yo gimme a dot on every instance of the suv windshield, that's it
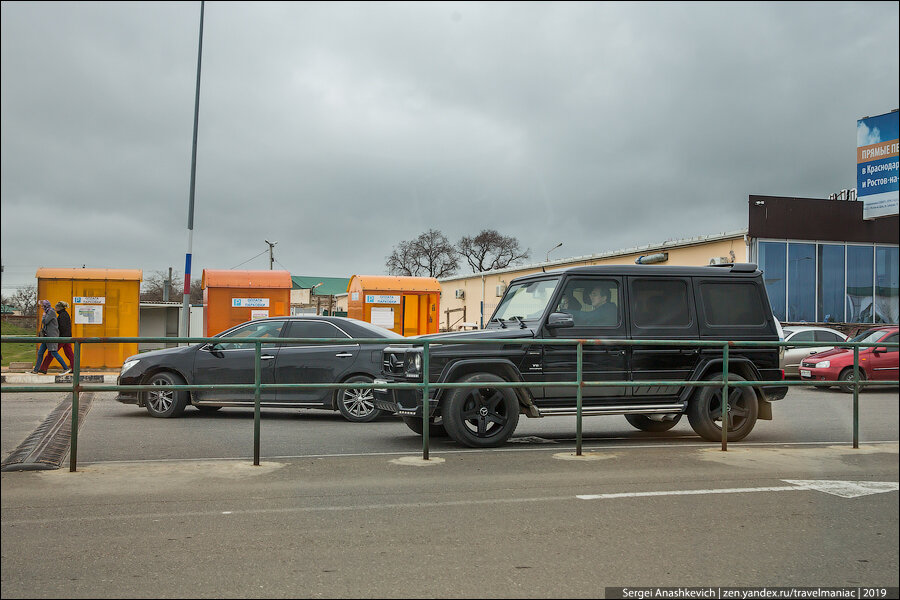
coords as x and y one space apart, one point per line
526 300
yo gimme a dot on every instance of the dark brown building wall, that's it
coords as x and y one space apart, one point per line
781 218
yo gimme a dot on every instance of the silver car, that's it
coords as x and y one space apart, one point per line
790 362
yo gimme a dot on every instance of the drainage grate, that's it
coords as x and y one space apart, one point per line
48 445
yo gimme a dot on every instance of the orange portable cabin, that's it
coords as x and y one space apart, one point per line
102 303
233 297
405 305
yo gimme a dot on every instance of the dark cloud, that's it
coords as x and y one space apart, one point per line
340 129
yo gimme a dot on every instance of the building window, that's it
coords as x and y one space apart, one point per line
831 283
859 284
801 282
772 262
887 286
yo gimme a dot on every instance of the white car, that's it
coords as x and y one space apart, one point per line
790 361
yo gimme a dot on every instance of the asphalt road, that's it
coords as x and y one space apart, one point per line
175 508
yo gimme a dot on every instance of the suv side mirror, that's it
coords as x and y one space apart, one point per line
560 321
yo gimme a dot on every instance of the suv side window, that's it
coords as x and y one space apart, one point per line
592 302
662 305
731 304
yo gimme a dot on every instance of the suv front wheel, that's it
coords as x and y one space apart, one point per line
705 411
483 416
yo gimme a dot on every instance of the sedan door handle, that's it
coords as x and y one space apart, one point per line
266 357
343 354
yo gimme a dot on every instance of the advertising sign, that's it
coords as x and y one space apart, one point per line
876 164
89 300
383 316
88 314
249 302
382 299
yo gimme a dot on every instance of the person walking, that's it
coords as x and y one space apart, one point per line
65 330
49 328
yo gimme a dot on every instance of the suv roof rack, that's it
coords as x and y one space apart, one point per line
738 267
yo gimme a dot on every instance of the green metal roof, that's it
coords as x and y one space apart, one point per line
330 285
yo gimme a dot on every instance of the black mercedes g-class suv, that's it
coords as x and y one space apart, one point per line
640 302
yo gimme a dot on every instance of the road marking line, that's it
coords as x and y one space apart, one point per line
844 489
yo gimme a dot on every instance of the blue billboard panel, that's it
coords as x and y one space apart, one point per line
877 152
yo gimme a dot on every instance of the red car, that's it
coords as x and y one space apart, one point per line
875 363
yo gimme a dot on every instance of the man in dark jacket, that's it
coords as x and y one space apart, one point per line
65 330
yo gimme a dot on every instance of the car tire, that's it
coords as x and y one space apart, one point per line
705 410
645 423
483 416
847 380
357 405
165 404
435 428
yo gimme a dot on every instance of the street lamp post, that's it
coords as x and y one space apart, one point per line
552 249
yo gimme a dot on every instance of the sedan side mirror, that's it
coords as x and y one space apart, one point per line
560 321
879 350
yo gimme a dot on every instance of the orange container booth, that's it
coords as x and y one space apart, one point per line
233 297
405 305
102 303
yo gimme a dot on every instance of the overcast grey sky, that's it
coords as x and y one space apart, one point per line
341 129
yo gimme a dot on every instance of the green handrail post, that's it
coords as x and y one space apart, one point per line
725 397
579 363
426 404
257 378
76 372
856 396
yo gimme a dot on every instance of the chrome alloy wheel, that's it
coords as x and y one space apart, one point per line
162 400
358 402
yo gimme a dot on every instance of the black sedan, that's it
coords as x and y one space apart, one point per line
227 362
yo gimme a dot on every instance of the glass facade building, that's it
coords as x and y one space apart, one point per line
831 282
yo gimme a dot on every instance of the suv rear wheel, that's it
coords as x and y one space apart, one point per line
483 416
645 423
705 410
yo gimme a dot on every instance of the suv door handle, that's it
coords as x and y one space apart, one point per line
343 354
270 357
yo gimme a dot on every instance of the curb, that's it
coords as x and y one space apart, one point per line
46 379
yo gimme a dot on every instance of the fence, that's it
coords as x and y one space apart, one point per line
426 386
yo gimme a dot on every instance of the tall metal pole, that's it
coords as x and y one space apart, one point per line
186 304
271 256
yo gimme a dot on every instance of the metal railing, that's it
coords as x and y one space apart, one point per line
77 387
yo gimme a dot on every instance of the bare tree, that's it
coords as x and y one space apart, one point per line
153 288
429 255
25 299
490 250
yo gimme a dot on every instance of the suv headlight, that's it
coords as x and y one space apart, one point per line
823 365
128 364
414 364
